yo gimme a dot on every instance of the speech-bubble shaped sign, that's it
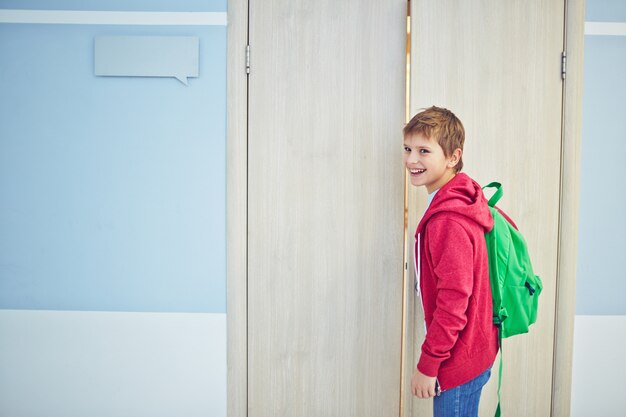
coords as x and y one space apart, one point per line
147 56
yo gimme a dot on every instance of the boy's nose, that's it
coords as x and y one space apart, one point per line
413 158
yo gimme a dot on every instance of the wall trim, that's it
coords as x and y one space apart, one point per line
605 28
80 17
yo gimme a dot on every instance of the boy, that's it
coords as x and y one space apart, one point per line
451 267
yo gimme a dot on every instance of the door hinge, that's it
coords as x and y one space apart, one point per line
563 64
247 59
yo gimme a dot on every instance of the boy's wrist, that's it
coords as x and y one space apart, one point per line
427 367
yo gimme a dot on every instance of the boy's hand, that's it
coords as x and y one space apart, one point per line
423 386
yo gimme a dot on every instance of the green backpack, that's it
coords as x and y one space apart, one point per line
515 288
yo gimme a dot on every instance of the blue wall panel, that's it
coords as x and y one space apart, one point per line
601 280
605 11
112 188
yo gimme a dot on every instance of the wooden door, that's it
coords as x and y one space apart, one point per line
325 207
497 65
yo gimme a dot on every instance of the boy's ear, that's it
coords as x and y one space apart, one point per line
455 157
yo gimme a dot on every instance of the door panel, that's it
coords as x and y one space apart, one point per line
326 106
501 76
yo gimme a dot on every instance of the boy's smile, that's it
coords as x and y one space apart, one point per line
426 162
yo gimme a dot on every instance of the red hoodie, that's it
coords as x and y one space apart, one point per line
461 340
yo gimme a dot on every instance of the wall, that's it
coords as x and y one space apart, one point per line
112 215
599 370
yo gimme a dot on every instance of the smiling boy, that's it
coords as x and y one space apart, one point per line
452 269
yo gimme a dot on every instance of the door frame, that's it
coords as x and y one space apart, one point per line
571 140
237 210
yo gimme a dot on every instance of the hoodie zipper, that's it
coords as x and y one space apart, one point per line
418 290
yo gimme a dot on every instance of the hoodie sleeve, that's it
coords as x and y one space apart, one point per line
450 250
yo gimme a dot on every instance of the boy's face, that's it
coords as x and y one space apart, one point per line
426 162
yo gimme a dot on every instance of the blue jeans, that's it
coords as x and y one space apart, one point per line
461 401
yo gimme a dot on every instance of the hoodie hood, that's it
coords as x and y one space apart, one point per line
463 196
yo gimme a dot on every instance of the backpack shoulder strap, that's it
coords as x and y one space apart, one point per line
497 195
495 288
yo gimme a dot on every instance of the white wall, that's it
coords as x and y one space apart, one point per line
104 364
599 366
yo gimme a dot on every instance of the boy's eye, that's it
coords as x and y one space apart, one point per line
424 151
407 149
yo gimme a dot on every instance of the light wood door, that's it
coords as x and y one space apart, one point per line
325 207
497 65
